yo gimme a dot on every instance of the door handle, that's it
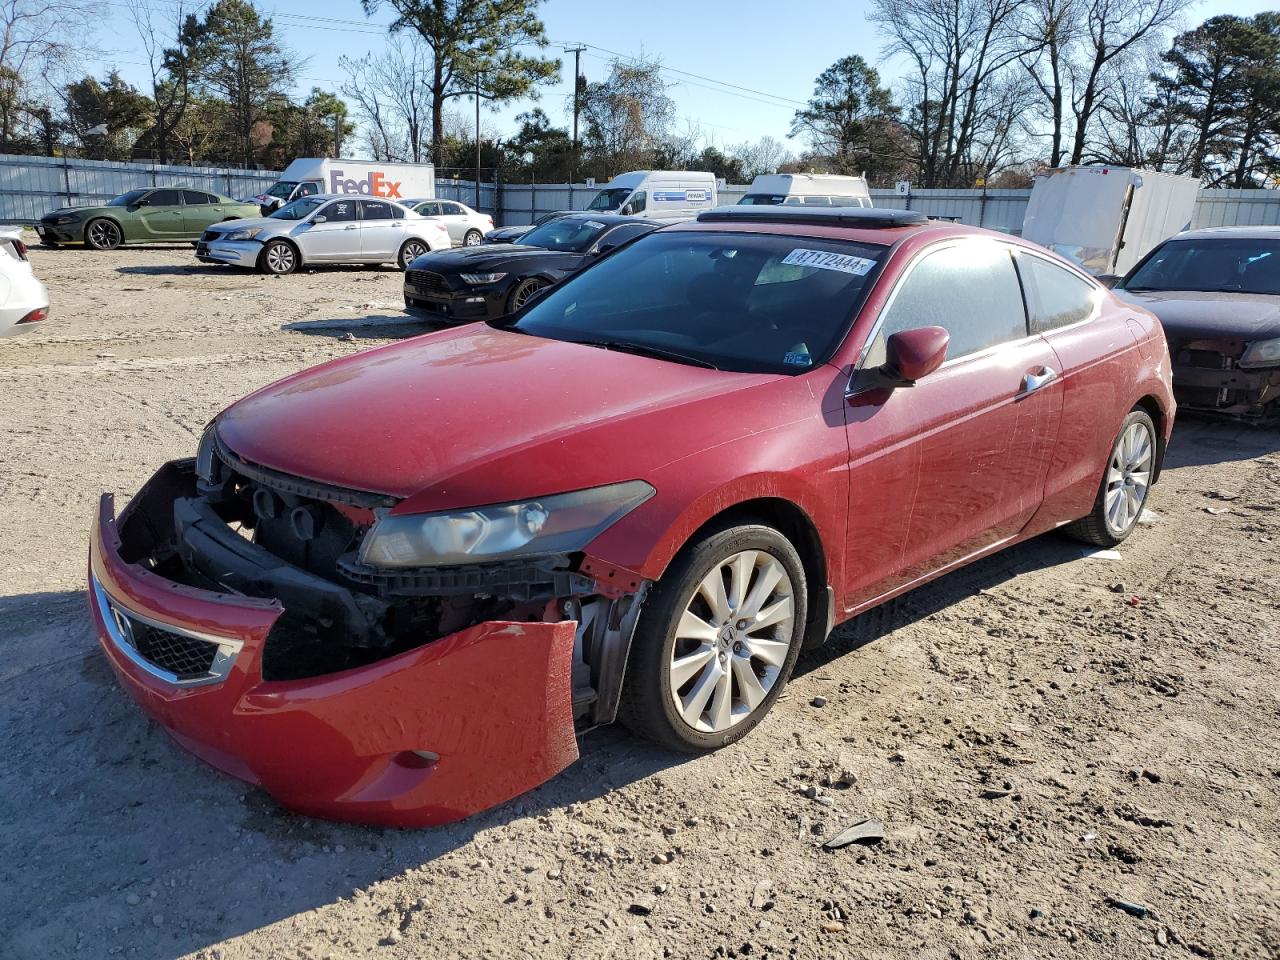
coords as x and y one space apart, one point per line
1032 382
351 226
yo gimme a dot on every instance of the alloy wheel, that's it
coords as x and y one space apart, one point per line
281 258
524 292
1129 477
472 239
104 235
411 252
732 641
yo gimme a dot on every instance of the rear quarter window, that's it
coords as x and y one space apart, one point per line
1056 297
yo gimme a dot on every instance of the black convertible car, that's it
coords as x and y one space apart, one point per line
486 282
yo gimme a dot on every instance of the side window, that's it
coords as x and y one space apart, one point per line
308 189
970 288
339 211
194 198
817 201
376 210
431 209
451 210
164 198
636 203
1057 296
620 235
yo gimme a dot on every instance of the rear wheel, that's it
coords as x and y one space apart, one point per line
410 252
524 292
717 640
1126 483
278 257
473 239
103 234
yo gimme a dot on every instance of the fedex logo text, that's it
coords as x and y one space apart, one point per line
376 186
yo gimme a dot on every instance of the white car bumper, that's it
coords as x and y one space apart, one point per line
26 294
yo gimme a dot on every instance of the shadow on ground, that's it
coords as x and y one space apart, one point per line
374 326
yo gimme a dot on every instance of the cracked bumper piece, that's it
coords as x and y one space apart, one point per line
425 737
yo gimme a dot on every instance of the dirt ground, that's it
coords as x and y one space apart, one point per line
1043 735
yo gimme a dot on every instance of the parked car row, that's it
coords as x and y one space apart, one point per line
715 441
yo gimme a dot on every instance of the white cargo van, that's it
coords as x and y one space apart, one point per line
1107 218
808 189
657 194
372 178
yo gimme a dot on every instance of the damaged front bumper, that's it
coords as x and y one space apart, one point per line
424 736
1207 378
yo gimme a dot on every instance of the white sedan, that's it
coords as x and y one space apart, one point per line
24 301
324 228
466 227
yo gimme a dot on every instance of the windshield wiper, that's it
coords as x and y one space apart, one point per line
645 350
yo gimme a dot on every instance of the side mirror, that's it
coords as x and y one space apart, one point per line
1108 280
320 218
606 247
144 202
911 355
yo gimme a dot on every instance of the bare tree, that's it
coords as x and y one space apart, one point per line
391 96
956 51
766 155
1050 29
1112 29
628 116
170 69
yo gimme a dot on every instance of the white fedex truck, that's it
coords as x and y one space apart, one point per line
657 194
1107 218
372 178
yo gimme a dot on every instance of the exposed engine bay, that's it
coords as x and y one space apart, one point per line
220 523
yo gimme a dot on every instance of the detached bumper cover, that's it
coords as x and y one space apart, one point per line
426 737
238 253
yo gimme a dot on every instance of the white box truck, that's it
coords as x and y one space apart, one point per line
1107 218
372 178
808 189
657 194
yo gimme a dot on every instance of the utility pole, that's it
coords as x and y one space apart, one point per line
577 56
477 204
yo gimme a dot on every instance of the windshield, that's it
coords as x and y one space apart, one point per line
762 199
299 209
1211 265
282 189
609 199
736 301
127 199
572 235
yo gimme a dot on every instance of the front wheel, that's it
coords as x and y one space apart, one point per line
103 234
473 239
410 252
524 292
717 640
1126 483
278 257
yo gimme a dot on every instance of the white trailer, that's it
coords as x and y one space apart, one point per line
1107 218
372 178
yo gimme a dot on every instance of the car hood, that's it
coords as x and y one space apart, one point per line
265 223
475 415
62 211
481 258
1194 315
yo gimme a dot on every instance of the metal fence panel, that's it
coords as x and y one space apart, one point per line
1226 207
32 186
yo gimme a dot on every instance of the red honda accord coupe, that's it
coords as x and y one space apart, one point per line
395 587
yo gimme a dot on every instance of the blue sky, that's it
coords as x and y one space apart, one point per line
741 43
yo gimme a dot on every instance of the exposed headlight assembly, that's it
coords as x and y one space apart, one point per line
480 279
507 531
205 453
248 233
1262 353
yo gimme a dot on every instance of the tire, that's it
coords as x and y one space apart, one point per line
278 258
411 250
665 634
103 234
1125 486
524 290
473 238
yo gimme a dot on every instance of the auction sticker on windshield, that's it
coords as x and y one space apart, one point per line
825 260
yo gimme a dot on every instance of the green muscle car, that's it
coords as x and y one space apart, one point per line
160 215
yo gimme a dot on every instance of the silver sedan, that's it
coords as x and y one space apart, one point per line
324 229
466 227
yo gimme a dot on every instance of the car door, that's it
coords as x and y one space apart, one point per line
199 209
956 463
381 230
1093 341
332 233
455 220
160 217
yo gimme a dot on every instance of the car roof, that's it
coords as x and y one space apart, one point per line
1230 233
876 225
607 219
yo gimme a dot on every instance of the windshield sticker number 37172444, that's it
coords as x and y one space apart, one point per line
826 260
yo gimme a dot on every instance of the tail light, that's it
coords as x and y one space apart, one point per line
21 247
35 316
